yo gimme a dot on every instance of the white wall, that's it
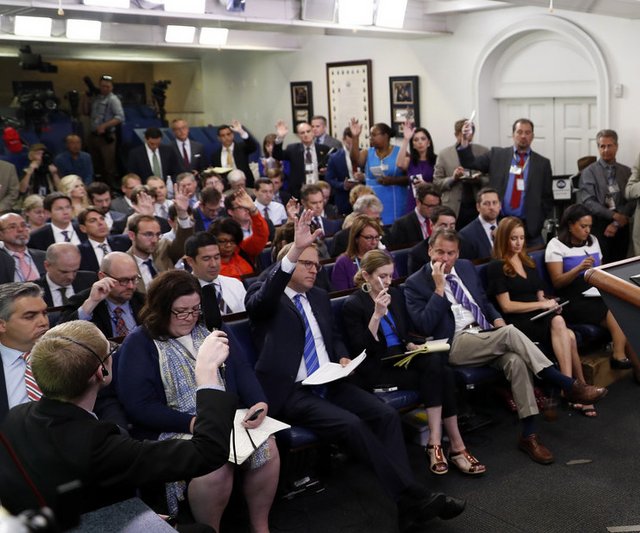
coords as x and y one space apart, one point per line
254 87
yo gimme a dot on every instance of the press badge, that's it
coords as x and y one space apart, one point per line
515 170
520 185
614 189
308 168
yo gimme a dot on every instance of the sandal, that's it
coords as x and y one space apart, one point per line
587 410
467 463
437 461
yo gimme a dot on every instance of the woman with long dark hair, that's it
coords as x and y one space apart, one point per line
417 158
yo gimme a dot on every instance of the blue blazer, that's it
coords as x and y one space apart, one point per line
430 313
279 332
89 261
473 241
337 171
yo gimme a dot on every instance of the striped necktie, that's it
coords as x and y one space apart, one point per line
33 390
461 296
311 361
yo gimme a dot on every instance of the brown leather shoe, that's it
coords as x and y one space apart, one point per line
587 394
535 449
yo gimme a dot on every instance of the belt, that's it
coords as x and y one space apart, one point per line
473 325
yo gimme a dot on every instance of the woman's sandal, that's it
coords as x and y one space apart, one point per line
437 461
467 463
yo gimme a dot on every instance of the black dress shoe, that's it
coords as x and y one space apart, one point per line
620 364
415 512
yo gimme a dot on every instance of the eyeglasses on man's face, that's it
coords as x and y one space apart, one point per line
187 314
124 282
308 265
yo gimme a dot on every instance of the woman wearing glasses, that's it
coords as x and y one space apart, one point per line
364 235
157 388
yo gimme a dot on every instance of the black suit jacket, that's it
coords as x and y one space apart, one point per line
101 317
8 264
43 237
4 399
241 151
538 201
279 331
199 160
58 442
406 229
84 280
473 241
89 261
210 309
119 222
418 256
138 162
294 153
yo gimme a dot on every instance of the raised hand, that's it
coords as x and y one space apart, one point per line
144 204
244 200
292 208
303 238
281 129
408 129
181 200
355 127
237 127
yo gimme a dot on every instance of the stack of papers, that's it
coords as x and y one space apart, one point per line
333 371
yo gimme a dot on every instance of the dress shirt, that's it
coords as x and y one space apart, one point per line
321 349
144 270
127 315
233 291
97 248
162 210
486 226
224 157
423 226
462 316
104 109
108 219
81 166
54 288
506 204
277 214
59 237
150 158
17 275
184 145
312 177
14 366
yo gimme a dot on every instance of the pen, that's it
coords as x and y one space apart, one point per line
382 287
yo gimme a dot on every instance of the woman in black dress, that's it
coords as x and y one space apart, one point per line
519 291
376 319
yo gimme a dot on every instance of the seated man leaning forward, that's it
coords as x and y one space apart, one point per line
445 299
59 440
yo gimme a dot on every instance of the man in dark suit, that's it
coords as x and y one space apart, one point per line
476 238
99 195
308 160
416 225
61 228
191 152
445 299
63 278
441 217
59 439
123 204
234 154
23 320
155 159
341 175
112 303
286 305
522 177
279 194
311 198
17 262
99 243
319 128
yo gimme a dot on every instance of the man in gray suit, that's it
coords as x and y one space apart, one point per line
8 186
522 177
319 128
458 186
602 190
17 262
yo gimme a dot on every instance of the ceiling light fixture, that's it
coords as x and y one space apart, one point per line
180 34
32 26
84 29
355 12
214 36
114 4
390 13
184 6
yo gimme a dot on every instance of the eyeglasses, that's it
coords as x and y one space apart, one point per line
123 282
150 234
308 265
224 242
241 207
370 238
430 205
185 315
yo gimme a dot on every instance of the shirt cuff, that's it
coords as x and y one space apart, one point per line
84 316
286 265
211 387
244 135
186 223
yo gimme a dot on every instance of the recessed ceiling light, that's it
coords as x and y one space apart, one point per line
32 26
180 34
355 12
214 36
184 6
84 29
390 13
119 4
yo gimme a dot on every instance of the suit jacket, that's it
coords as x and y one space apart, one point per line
474 243
8 264
101 317
430 313
538 193
279 331
450 189
120 205
329 141
337 171
331 226
241 151
294 153
43 237
139 164
84 280
406 229
9 186
594 188
89 261
119 222
59 442
198 161
418 256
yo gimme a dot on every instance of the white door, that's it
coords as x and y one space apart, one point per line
565 128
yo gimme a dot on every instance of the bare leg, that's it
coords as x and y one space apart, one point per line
209 495
259 487
434 419
561 344
617 336
451 426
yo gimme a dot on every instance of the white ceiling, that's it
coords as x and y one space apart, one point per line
138 32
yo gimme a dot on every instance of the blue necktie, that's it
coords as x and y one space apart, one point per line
310 354
152 270
460 295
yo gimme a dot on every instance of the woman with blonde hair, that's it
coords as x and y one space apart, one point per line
377 321
73 186
515 284
33 212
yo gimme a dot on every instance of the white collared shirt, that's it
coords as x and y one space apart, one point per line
144 269
277 214
187 146
462 316
97 249
54 288
486 226
150 158
59 237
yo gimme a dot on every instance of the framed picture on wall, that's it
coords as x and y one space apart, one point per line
301 101
350 95
404 100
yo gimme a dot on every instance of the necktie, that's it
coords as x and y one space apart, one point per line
266 212
121 327
26 272
460 295
104 248
151 268
308 160
229 159
224 308
311 361
65 234
63 295
493 231
155 164
427 228
516 193
33 391
185 156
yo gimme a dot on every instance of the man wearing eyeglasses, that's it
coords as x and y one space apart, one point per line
416 225
112 303
293 324
23 320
